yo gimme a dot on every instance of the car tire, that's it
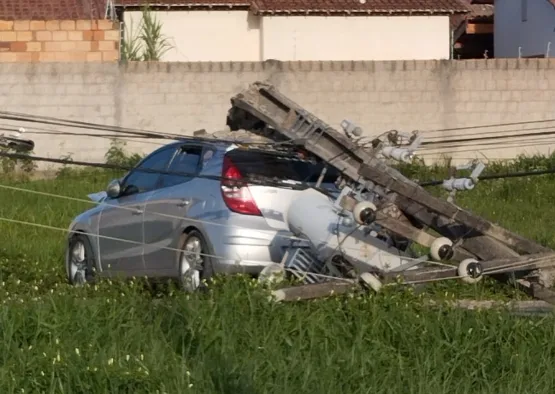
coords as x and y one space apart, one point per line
80 260
194 263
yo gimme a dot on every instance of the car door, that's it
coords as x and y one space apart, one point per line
121 235
166 210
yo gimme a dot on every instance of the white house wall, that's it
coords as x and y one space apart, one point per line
241 36
355 38
532 35
206 35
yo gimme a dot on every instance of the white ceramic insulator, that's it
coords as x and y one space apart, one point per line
462 271
458 184
361 206
371 281
272 273
398 154
436 246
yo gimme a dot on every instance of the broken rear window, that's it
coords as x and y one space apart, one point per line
256 164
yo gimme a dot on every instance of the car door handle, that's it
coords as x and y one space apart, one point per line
183 203
138 211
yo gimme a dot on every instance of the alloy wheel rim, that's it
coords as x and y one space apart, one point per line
78 263
191 264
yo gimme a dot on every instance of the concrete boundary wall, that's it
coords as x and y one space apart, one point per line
449 96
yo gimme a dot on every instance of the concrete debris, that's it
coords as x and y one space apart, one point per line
14 141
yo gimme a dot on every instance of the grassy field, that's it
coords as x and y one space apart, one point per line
121 338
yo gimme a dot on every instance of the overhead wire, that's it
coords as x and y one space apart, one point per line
521 174
149 135
489 125
47 120
49 227
159 214
100 236
14 116
274 233
427 145
266 182
486 134
503 140
485 147
516 266
38 131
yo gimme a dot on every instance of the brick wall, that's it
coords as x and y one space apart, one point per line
59 41
379 96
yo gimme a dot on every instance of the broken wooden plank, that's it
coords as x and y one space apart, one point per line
319 290
526 306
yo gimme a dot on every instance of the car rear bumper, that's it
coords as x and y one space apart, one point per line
247 251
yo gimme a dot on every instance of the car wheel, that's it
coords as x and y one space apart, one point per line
194 264
80 260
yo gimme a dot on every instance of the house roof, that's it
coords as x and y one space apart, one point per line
52 9
184 3
481 11
359 6
316 6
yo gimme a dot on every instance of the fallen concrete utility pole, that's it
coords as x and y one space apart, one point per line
379 212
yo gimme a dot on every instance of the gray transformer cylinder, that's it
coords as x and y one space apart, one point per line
312 215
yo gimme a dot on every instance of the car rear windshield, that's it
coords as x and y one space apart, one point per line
257 164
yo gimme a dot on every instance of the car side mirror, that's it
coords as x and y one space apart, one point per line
114 189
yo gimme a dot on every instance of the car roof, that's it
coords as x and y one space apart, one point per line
223 139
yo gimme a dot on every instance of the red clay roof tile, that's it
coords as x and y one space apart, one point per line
360 6
184 3
318 6
481 11
52 9
95 9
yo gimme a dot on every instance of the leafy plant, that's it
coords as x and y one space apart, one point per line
65 170
131 48
148 44
117 156
21 168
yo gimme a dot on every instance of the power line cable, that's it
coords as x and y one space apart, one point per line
486 126
14 116
297 185
99 236
472 148
544 261
429 144
274 233
497 176
497 132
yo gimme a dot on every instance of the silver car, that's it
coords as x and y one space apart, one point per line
157 224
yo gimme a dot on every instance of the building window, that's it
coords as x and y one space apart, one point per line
524 10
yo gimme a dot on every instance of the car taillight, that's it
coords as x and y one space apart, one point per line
235 191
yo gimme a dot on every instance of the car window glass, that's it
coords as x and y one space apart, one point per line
272 166
141 181
186 161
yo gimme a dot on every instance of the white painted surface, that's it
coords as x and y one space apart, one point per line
528 24
241 36
198 36
355 37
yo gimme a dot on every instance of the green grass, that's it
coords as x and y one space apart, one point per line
124 338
